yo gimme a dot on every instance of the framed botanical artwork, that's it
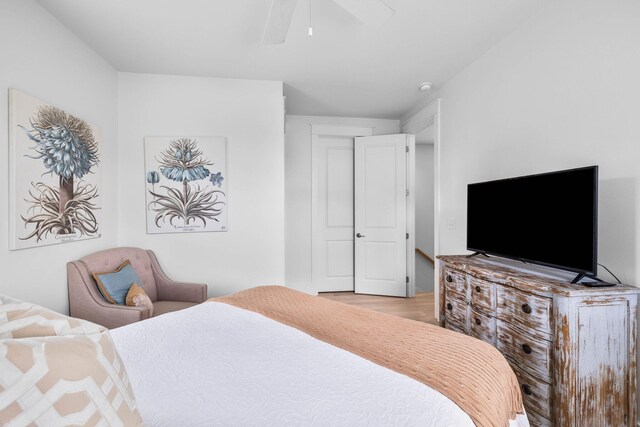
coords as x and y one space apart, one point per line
186 186
54 168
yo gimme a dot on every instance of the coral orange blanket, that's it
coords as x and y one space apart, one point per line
468 371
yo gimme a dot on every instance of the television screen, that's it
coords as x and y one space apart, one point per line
548 219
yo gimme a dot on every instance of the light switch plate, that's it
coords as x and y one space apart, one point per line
451 223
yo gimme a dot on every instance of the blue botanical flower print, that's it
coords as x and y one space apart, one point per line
153 177
216 179
183 161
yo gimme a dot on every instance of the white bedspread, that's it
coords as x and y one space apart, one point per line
215 364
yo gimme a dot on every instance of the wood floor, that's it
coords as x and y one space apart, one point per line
420 308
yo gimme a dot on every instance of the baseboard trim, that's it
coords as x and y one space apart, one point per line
305 287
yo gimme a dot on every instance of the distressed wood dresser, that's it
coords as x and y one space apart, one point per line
573 348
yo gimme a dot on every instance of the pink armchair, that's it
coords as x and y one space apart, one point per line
86 302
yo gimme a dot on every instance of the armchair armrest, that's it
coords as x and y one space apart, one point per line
171 290
85 302
178 291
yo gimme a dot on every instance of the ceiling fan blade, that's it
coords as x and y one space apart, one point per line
374 13
279 21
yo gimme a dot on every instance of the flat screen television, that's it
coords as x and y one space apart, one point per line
549 219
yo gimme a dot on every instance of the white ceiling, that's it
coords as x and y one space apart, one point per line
345 69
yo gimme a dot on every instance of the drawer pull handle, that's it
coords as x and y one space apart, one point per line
478 289
449 279
526 348
526 388
478 322
526 308
449 306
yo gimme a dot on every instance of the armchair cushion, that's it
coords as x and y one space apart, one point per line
114 285
162 307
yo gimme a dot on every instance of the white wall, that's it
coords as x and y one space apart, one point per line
250 114
560 92
42 58
424 215
298 189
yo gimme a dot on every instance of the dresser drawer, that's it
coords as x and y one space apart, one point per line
482 327
524 350
536 394
455 281
455 327
455 311
482 295
530 311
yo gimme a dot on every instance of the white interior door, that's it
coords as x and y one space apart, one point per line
381 190
332 207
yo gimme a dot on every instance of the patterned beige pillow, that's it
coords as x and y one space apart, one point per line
137 297
20 319
60 379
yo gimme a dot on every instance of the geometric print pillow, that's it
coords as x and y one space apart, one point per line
20 319
57 380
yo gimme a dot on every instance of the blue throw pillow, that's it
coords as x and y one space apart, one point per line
114 286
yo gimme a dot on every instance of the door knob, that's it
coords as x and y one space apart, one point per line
360 235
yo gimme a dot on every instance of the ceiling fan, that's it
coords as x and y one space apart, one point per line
374 13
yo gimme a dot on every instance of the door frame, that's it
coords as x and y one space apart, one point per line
411 215
427 116
319 131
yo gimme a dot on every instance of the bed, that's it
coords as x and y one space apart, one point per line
274 356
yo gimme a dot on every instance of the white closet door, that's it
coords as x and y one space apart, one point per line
332 206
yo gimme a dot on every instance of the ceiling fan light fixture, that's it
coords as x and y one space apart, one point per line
425 86
374 13
279 21
310 26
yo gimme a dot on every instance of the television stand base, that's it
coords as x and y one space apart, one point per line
476 254
579 277
597 283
